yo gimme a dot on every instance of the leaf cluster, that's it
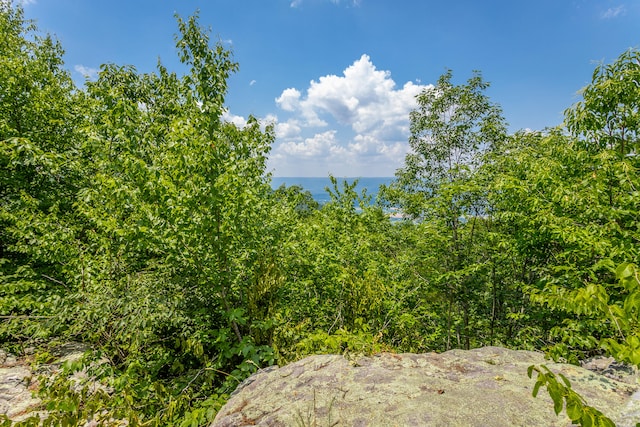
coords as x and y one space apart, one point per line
564 397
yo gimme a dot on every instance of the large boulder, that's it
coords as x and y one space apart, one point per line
483 387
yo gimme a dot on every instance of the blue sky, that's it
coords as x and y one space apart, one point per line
338 77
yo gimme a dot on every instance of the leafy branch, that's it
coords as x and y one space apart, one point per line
565 397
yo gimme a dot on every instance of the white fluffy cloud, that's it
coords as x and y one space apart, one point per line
289 100
367 117
288 130
239 121
322 144
87 72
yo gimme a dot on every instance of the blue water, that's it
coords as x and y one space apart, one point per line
316 186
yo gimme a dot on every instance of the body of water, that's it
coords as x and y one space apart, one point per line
316 186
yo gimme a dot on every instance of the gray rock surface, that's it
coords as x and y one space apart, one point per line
482 387
18 382
16 386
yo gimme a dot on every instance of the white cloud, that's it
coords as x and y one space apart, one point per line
614 12
369 145
367 117
271 118
87 72
363 97
322 144
288 130
239 121
289 100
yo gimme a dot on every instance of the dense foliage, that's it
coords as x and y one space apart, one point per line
135 220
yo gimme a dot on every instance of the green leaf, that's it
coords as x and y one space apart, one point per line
565 380
536 387
574 410
558 398
530 370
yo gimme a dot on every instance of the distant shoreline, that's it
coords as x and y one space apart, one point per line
316 185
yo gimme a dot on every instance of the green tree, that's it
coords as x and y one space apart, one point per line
41 169
604 199
336 291
607 118
297 198
529 184
450 130
178 215
569 204
141 222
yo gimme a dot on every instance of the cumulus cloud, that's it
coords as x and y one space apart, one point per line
356 123
289 100
290 129
364 98
614 12
370 145
87 72
322 144
239 121
317 155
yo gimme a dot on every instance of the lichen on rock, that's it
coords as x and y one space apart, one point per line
482 387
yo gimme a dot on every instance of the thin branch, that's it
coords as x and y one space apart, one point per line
617 324
207 369
26 317
55 281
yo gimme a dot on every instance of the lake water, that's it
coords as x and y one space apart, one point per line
316 186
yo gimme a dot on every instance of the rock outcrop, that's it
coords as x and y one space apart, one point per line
18 382
482 387
16 386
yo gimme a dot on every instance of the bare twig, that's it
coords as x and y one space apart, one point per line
207 369
26 317
55 281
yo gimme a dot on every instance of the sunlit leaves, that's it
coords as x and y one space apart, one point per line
41 168
210 69
564 397
608 117
141 213
451 127
570 204
439 186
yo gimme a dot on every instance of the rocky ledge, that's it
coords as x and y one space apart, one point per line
19 382
16 386
483 387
